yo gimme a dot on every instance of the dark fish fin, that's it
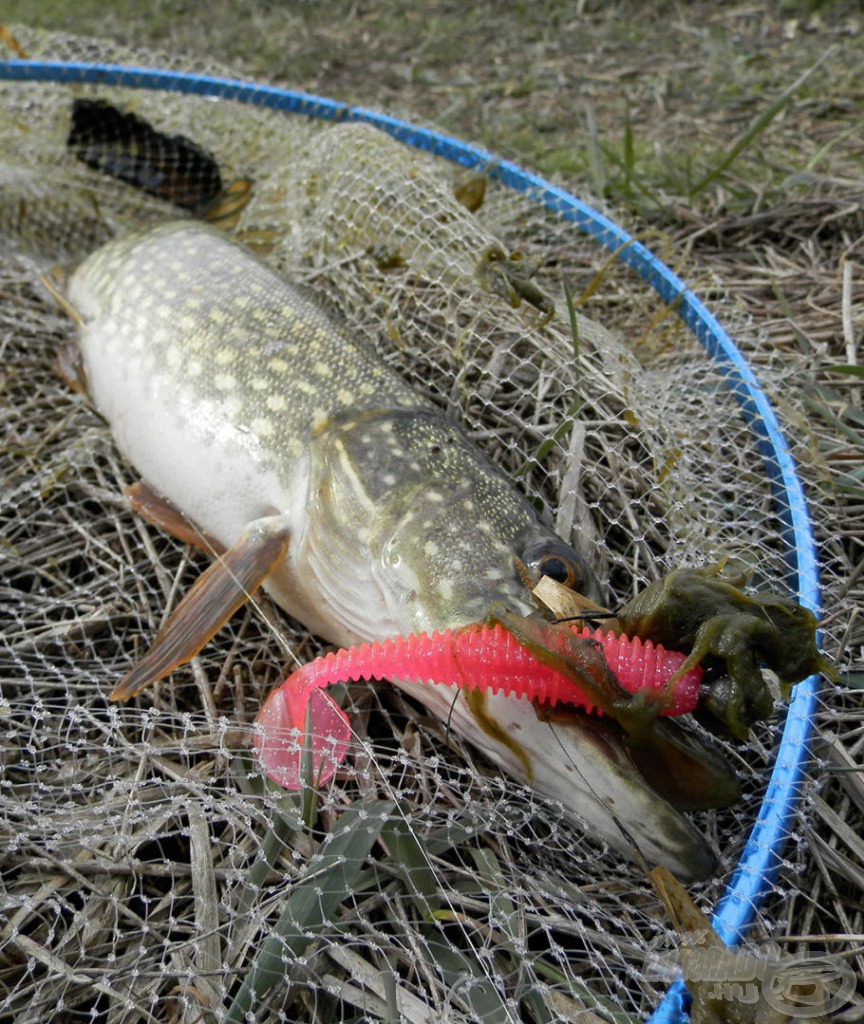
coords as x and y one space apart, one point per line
224 211
213 599
125 146
160 512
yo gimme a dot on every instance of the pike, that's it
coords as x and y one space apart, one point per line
318 472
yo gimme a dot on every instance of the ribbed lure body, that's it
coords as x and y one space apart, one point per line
486 658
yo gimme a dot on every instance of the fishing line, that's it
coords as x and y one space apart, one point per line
602 803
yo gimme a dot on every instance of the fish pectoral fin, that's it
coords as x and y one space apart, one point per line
158 511
213 599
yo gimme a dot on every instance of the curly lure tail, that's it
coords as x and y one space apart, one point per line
490 659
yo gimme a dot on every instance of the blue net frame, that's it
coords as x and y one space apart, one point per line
761 857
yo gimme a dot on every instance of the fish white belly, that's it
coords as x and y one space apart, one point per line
185 447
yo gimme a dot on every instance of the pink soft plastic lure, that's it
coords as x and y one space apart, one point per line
477 657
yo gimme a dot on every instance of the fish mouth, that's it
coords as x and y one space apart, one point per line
570 757
582 768
663 835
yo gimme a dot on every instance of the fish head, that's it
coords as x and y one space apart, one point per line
443 530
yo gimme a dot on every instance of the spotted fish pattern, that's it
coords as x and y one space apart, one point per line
241 403
256 383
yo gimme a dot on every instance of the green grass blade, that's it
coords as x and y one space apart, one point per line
467 980
847 412
596 170
853 369
327 881
759 125
787 311
507 920
275 841
574 323
821 409
633 182
629 148
411 855
282 826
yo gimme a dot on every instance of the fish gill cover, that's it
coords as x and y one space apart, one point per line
148 871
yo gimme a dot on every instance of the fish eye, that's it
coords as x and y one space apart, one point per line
557 568
558 561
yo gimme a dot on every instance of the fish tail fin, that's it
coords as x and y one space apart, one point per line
123 145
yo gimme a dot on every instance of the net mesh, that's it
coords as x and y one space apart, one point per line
145 865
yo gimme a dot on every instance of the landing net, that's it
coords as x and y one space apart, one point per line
146 867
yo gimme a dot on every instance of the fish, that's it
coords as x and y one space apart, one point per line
314 470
